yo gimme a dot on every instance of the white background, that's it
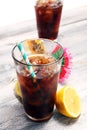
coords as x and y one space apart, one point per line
15 11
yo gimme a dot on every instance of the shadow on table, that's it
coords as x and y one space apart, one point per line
56 120
63 119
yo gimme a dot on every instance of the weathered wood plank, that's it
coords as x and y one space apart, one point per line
68 17
74 15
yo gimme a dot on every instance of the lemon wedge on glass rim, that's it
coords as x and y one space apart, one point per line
68 102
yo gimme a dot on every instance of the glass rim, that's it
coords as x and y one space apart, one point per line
50 6
56 60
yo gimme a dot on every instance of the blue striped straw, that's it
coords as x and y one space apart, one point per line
24 55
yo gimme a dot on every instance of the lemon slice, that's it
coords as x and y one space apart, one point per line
68 102
35 46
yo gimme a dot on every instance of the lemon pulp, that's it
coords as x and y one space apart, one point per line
68 102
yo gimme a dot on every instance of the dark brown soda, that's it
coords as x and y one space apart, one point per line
48 20
38 93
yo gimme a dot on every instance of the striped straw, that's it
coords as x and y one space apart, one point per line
24 55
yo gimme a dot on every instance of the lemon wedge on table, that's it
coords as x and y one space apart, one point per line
17 91
68 102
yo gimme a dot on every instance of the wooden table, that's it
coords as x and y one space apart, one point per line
73 35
